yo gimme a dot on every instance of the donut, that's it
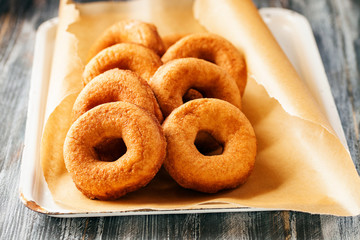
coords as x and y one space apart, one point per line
173 79
145 153
229 126
212 48
128 56
116 85
129 31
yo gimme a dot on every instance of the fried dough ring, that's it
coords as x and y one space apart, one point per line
129 56
173 79
116 85
229 126
145 142
129 31
212 48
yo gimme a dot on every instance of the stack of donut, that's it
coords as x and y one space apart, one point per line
149 102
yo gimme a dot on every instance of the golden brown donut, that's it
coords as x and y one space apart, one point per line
129 56
116 85
142 135
173 79
229 126
129 31
212 48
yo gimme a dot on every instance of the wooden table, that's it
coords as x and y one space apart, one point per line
336 25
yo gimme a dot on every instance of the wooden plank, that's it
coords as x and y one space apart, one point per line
18 22
336 27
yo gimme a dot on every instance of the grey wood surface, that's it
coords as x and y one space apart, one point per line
336 25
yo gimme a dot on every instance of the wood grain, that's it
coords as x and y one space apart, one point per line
336 28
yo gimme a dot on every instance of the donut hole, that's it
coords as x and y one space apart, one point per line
207 56
110 149
121 65
192 94
207 144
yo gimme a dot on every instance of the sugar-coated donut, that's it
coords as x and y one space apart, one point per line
229 126
142 135
173 79
129 56
212 48
129 31
116 85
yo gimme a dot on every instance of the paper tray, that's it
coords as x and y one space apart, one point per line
291 30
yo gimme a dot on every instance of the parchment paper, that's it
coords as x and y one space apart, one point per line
301 164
